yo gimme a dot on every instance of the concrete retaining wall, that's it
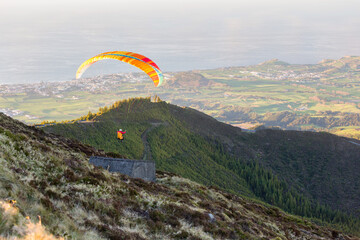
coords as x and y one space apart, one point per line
132 168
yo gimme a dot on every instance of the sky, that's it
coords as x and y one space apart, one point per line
47 40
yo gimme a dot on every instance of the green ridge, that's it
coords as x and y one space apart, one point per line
265 165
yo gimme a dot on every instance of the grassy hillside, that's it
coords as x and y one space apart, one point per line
284 168
46 176
189 151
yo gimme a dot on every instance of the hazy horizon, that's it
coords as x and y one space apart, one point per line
47 41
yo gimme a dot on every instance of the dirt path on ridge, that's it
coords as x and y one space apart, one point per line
147 149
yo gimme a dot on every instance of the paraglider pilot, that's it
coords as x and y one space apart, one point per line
120 134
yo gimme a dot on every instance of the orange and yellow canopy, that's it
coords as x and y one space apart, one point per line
135 59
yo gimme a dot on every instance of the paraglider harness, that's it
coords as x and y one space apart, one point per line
120 134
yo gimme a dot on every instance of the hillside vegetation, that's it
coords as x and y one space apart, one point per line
301 172
49 176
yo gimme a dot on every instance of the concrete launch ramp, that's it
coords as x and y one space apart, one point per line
133 168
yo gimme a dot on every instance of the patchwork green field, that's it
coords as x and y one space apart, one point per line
317 97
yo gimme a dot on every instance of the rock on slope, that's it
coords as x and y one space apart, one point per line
50 177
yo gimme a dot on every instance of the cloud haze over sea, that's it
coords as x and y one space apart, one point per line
47 40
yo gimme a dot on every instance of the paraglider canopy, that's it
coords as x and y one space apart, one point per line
135 59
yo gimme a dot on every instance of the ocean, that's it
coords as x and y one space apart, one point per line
49 45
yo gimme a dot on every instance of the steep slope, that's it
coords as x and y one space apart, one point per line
322 165
290 169
50 177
